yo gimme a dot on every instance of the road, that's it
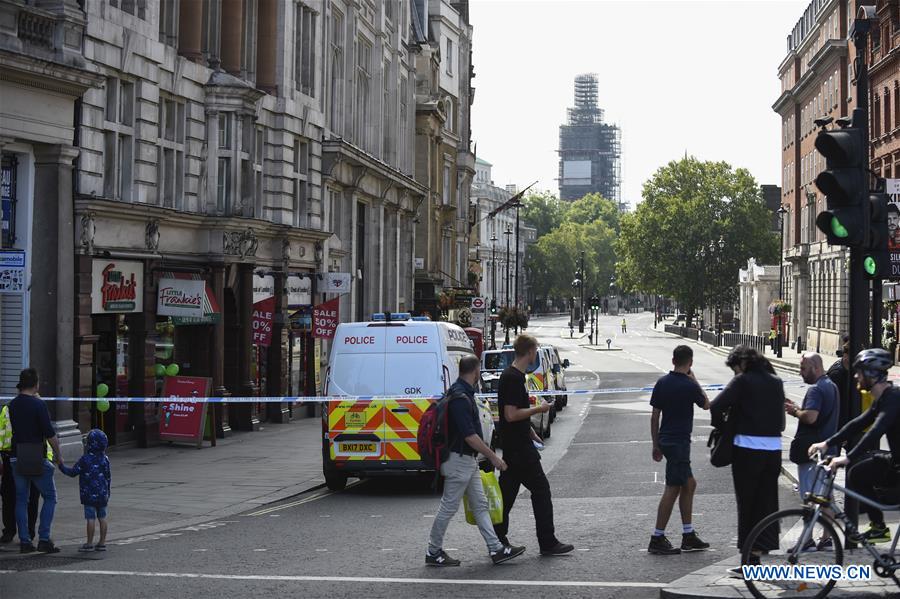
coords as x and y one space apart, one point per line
369 541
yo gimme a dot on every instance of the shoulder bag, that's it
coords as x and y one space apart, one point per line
721 439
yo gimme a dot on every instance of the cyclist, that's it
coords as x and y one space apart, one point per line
876 469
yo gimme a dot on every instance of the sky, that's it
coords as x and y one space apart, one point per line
676 76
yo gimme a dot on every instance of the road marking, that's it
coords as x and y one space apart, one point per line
274 515
321 550
199 550
362 579
260 550
285 506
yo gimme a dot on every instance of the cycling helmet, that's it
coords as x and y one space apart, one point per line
874 363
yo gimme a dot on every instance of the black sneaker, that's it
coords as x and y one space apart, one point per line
440 560
26 548
47 547
660 545
558 549
507 553
691 542
504 540
738 572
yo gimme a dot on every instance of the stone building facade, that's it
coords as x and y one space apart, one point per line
210 164
444 162
816 83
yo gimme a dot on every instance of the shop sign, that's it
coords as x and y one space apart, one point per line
263 287
180 297
337 282
298 289
325 319
12 271
117 287
183 422
261 322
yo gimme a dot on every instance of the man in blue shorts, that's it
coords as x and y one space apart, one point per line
674 397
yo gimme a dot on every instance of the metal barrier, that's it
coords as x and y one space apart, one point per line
757 342
675 329
711 338
692 333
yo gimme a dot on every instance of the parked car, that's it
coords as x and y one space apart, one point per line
495 361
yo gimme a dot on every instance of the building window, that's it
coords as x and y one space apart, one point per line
446 183
363 81
337 71
259 170
876 122
446 256
887 110
305 50
449 114
224 131
404 116
301 183
461 260
8 169
223 187
171 151
334 212
387 114
389 9
119 139
449 56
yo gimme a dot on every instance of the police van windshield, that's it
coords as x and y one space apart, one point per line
501 360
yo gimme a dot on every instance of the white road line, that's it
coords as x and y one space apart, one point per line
362 579
285 506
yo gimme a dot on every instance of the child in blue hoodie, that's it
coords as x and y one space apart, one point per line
92 470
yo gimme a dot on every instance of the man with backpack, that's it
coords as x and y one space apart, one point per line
460 469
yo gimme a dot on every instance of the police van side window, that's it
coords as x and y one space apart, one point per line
412 374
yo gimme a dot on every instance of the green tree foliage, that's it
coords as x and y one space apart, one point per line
543 211
689 206
593 207
552 262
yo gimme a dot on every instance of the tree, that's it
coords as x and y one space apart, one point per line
552 262
593 207
543 211
670 245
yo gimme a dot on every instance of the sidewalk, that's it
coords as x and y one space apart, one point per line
170 486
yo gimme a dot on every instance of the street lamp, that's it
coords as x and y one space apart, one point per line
493 265
778 342
508 232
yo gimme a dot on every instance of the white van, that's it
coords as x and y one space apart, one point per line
393 355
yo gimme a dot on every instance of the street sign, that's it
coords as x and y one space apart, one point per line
478 319
12 271
478 303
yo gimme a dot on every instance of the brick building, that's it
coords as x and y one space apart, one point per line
815 82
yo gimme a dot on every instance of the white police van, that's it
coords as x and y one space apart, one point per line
392 355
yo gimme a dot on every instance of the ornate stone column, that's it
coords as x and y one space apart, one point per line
190 29
232 39
52 344
276 379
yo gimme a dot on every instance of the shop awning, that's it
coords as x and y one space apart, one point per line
212 313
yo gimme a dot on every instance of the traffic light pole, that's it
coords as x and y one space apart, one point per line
859 292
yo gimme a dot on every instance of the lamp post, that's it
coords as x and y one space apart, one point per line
517 253
493 265
781 212
508 232
581 311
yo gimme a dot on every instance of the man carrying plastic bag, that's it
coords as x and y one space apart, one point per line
494 498
462 475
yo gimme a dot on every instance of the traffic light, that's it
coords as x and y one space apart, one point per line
493 306
876 257
844 183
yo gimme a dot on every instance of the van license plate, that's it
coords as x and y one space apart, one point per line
357 448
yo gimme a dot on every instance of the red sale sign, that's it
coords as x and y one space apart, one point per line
179 421
263 316
326 318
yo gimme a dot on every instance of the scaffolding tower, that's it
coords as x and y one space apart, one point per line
590 151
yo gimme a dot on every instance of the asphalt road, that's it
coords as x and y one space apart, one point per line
369 541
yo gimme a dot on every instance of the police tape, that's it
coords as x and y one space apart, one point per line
359 398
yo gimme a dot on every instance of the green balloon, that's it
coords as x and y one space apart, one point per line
160 370
172 369
102 390
103 405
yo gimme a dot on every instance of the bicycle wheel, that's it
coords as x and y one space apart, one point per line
778 537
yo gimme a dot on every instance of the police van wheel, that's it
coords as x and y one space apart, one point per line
546 434
335 482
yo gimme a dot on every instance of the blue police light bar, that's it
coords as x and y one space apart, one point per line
421 318
380 316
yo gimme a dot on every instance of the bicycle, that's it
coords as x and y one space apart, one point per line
811 538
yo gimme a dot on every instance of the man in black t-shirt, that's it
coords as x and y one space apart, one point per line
519 453
674 397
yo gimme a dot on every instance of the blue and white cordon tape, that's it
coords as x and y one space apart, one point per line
363 398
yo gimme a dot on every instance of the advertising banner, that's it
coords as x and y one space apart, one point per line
12 271
180 297
117 286
298 289
263 287
261 322
893 218
325 319
183 422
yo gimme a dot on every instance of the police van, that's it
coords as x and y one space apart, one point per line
392 355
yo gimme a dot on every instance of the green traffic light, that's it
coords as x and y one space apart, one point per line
838 229
870 266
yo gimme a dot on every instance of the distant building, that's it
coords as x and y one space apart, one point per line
589 149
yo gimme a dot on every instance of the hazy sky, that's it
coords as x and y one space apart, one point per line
675 75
